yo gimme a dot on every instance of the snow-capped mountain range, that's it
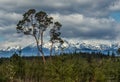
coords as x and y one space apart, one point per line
31 50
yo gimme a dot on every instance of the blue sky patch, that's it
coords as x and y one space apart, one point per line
116 16
1 39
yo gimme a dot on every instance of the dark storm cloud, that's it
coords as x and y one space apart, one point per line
79 26
87 7
92 34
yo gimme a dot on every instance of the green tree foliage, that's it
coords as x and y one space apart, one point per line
35 24
64 68
18 64
55 36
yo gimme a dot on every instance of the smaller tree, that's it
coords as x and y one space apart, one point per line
55 36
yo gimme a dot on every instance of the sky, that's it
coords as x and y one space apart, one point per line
82 20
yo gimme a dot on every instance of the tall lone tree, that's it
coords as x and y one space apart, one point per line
35 24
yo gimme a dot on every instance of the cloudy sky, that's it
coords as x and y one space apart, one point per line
82 20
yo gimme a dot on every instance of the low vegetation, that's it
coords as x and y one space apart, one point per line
77 67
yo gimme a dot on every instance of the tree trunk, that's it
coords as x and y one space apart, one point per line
40 50
51 49
43 57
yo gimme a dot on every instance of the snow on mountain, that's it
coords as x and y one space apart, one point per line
31 49
14 48
70 45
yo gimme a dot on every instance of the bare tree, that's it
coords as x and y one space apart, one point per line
35 24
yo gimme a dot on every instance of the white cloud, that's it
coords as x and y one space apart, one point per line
115 6
78 18
80 22
82 27
74 26
21 41
11 16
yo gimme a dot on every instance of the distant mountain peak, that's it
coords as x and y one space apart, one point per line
32 49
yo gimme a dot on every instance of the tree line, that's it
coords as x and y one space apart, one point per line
74 67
